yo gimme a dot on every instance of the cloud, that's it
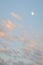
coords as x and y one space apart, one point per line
10 25
22 39
3 49
10 37
2 34
19 63
16 16
32 43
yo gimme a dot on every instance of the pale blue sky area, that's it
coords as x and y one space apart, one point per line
24 8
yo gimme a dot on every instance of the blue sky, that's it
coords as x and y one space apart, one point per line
23 8
19 29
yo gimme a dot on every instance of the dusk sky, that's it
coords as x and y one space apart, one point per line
21 31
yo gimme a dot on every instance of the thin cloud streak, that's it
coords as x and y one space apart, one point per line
16 16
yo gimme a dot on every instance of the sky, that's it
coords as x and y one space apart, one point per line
21 31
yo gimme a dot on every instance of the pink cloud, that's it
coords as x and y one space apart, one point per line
2 34
10 25
16 16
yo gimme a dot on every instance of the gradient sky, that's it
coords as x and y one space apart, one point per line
19 29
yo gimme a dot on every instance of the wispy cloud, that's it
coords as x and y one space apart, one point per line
2 34
10 25
16 16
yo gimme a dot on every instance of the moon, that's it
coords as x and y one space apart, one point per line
33 13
